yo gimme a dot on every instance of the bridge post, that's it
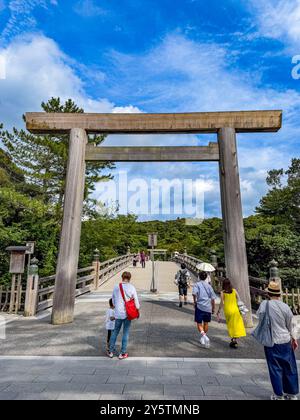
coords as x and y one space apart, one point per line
96 265
32 289
66 272
234 235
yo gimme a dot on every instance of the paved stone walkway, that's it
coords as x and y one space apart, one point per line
141 278
42 361
63 378
164 330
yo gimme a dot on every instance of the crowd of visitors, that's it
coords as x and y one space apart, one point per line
275 329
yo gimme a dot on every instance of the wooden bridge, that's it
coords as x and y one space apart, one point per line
34 295
164 330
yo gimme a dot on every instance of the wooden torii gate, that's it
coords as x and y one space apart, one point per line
224 124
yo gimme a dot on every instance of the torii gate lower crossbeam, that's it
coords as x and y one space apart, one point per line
225 124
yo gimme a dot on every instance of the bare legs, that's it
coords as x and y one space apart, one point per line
203 328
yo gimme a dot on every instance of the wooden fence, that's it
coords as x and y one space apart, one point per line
12 297
37 294
257 285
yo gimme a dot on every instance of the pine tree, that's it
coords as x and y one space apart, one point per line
43 159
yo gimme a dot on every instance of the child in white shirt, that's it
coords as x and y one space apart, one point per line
110 321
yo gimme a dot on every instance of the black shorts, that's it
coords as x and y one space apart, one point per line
183 290
201 316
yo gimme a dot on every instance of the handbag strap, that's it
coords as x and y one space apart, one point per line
268 308
205 288
269 318
122 292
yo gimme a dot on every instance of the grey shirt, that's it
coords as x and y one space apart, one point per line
281 320
204 294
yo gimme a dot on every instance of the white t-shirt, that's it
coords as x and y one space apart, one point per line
130 292
109 324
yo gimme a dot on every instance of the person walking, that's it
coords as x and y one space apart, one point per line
182 280
281 356
135 260
204 301
234 320
143 259
121 314
110 321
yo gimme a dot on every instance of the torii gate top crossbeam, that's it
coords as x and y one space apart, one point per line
198 122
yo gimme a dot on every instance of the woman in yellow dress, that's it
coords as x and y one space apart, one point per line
234 319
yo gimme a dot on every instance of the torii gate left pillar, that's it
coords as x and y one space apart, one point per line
66 271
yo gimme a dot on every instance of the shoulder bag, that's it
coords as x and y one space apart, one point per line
131 309
263 332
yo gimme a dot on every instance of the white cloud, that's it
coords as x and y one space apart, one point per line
36 69
278 19
177 75
21 16
183 75
180 74
130 109
88 8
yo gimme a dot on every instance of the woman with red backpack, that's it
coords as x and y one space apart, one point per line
126 303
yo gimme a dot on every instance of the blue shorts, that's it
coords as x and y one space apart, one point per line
201 316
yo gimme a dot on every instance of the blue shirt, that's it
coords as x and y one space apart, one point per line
204 295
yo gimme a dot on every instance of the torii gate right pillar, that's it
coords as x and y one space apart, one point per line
234 234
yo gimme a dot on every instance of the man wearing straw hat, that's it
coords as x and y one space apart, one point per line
281 357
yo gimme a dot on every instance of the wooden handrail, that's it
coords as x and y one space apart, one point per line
84 284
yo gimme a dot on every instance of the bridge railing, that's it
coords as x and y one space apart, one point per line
257 285
192 263
37 294
289 296
188 260
88 279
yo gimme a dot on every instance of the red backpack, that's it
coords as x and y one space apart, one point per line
131 309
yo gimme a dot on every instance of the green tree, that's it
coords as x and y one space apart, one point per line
32 183
282 202
43 159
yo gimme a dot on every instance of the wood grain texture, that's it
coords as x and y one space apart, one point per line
153 154
234 235
66 273
198 122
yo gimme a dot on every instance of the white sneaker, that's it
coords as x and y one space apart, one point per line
276 398
110 354
290 397
205 341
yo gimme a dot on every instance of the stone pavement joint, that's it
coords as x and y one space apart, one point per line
41 361
209 380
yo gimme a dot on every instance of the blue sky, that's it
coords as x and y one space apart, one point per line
161 56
